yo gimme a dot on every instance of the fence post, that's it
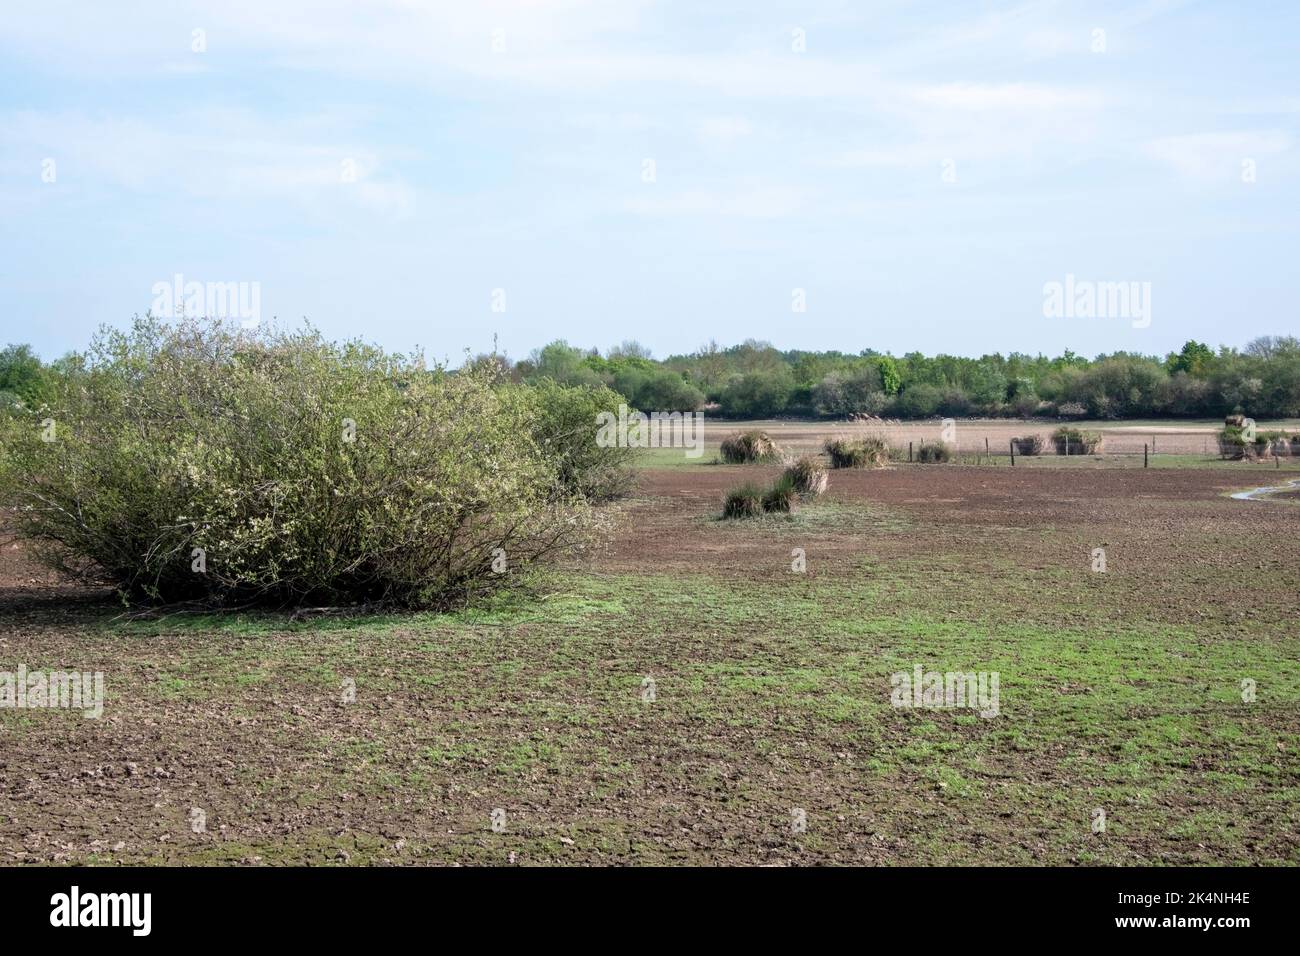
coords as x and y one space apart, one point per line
986 450
1144 456
909 451
1012 443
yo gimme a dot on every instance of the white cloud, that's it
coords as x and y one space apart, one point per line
214 154
751 203
724 129
1006 96
1216 157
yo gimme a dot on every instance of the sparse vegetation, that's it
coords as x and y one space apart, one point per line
750 500
742 649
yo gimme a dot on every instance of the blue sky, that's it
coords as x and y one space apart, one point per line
920 170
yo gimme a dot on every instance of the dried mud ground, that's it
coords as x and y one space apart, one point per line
1120 691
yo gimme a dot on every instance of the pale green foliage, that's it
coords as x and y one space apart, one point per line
566 432
171 438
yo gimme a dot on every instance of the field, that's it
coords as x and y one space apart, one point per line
1182 438
685 696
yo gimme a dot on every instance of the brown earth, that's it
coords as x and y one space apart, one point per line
249 727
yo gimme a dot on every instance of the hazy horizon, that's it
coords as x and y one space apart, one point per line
456 358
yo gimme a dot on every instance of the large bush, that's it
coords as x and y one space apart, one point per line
566 433
196 462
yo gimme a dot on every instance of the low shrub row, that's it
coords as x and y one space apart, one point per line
1234 443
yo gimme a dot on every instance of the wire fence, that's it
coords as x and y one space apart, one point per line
994 441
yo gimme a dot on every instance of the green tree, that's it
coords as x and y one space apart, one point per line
1194 359
890 377
23 376
758 394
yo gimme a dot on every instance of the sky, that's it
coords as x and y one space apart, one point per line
901 176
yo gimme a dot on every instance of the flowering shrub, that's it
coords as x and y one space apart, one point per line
198 462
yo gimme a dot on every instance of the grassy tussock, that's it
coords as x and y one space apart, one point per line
870 451
808 476
933 452
749 447
1029 445
1075 441
750 500
745 501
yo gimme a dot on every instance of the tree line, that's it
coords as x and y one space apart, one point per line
756 380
